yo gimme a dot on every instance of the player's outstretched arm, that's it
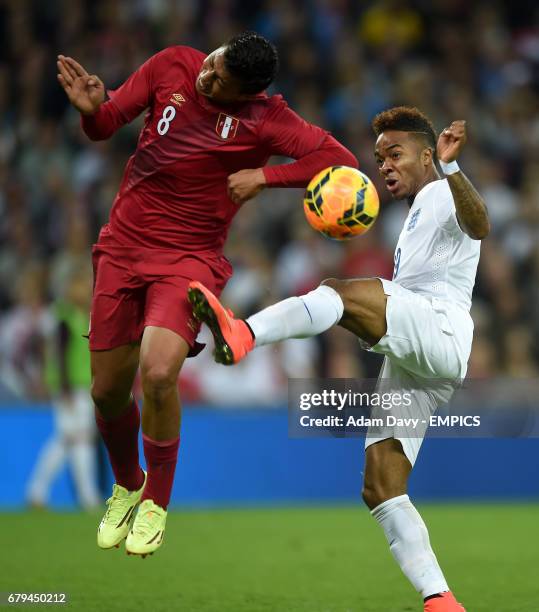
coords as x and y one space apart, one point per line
285 133
86 92
470 207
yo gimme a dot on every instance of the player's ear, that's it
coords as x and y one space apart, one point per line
427 156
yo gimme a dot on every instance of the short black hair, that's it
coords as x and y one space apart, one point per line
406 119
253 60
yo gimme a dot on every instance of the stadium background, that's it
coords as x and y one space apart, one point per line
341 63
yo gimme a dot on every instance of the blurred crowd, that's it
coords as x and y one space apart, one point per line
342 61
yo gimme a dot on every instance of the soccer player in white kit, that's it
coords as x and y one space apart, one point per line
420 320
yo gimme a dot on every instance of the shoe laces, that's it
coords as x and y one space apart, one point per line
115 512
147 520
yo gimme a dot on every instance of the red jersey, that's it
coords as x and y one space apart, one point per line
174 189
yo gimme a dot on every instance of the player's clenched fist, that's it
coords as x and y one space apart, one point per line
451 141
245 184
85 91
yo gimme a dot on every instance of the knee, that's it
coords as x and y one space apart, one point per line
372 495
343 289
158 381
108 397
336 284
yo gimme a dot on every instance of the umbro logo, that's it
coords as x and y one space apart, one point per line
177 99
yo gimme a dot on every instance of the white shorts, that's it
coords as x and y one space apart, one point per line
427 346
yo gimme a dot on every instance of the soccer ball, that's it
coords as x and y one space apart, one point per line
341 202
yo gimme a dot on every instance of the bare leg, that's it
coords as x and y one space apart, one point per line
162 355
386 472
113 373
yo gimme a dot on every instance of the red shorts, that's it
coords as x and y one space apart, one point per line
139 286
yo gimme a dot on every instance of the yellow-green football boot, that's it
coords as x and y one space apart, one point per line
114 526
146 534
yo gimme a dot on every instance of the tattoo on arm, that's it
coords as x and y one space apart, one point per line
471 209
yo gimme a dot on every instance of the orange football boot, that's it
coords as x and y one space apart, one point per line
233 337
445 603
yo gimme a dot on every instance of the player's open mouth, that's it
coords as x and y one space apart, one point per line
392 184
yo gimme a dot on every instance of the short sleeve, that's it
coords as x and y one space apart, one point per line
444 209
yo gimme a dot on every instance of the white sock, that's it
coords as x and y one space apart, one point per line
298 317
409 544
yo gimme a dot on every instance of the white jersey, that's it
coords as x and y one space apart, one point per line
434 257
429 327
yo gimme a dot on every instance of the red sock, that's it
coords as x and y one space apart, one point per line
121 439
161 460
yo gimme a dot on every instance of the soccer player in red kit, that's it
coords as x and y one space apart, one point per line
209 130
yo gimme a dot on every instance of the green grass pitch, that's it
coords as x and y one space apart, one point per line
285 560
